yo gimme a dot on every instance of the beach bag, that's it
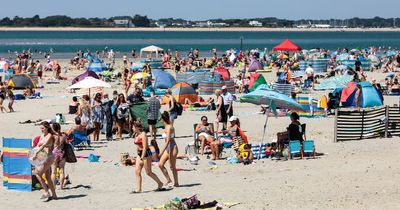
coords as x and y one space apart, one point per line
178 108
191 203
69 153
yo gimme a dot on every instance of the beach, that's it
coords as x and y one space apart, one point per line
346 175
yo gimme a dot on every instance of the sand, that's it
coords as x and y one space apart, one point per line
350 175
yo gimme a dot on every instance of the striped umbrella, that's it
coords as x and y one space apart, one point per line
183 90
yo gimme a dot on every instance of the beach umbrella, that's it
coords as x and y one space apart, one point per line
263 95
90 84
139 75
335 82
282 56
391 53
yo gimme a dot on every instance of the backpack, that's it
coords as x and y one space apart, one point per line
123 111
178 108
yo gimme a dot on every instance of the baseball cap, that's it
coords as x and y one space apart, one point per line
233 118
223 87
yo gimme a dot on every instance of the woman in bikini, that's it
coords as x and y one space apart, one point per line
59 158
144 158
205 132
170 151
46 144
2 96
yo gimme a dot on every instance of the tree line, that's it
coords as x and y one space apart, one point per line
144 21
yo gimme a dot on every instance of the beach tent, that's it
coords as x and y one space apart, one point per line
150 50
369 95
97 67
17 171
21 81
84 75
140 111
224 72
287 45
163 79
193 77
256 80
255 65
182 91
208 87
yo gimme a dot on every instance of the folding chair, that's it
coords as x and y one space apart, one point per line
309 147
295 148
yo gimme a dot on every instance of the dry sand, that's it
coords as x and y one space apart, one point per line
350 175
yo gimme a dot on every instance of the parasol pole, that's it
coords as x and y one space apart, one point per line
265 128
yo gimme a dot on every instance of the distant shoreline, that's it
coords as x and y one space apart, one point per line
260 29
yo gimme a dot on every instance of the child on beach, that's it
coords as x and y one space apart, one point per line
245 154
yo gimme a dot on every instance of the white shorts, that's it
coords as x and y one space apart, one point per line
206 135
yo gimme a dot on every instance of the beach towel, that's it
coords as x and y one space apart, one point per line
258 151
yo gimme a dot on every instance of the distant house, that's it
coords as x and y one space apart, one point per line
123 23
211 24
200 24
255 23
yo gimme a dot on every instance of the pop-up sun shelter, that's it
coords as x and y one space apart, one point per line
369 95
224 72
182 91
97 66
21 81
163 79
256 80
255 65
84 75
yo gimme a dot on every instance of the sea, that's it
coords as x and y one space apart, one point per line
66 43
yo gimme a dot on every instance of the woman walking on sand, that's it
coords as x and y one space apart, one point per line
143 160
46 144
170 151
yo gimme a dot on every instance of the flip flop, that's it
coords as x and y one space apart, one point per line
160 189
134 192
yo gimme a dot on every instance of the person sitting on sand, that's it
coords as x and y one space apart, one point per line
29 91
245 155
200 102
73 106
144 158
205 132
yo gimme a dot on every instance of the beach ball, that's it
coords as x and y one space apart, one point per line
40 158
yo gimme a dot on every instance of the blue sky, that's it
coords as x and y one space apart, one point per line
204 9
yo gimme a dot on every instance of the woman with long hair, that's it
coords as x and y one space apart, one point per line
97 116
173 114
143 160
170 150
121 114
46 144
84 110
59 158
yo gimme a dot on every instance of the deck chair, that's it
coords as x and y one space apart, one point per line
309 147
80 139
295 148
197 141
